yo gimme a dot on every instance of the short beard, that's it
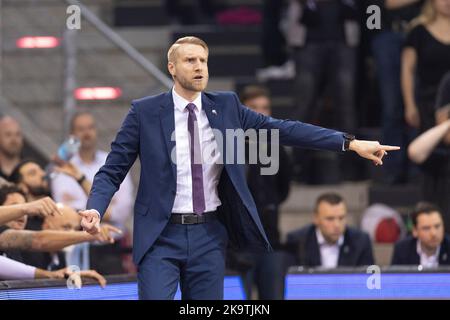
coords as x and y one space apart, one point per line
38 191
10 155
190 85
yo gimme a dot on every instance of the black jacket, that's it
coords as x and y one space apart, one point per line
405 252
355 251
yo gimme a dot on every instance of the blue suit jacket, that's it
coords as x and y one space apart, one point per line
146 132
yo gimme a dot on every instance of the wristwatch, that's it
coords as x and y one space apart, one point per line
82 178
347 138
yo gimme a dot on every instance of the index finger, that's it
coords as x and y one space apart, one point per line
389 148
114 229
54 206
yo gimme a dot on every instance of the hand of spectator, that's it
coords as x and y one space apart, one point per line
412 117
371 150
105 234
42 207
69 169
67 272
90 221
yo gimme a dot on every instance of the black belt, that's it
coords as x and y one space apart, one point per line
190 218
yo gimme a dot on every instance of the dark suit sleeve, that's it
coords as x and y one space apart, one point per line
396 259
284 176
367 253
292 133
124 150
292 242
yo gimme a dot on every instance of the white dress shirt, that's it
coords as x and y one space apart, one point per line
329 253
428 261
210 156
66 190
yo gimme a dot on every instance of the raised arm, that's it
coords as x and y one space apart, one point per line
124 150
409 61
299 134
420 149
41 207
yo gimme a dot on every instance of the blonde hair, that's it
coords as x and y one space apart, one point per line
427 15
171 54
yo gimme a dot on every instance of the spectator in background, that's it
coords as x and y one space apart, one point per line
324 35
329 242
104 258
11 145
327 55
32 179
266 270
429 246
386 45
426 56
276 64
14 239
431 150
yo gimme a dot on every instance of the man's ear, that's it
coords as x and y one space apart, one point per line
171 68
414 232
315 218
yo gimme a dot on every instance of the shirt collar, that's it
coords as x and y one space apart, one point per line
77 159
321 240
420 252
180 103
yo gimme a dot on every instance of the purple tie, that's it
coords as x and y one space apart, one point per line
198 196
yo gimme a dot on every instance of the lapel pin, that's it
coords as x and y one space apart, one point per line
214 112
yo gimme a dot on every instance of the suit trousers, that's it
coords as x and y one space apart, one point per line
190 255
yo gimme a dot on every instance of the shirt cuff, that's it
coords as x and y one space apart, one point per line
99 215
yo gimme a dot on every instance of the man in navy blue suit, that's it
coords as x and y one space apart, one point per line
187 209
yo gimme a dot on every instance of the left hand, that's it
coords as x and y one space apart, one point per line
371 150
90 221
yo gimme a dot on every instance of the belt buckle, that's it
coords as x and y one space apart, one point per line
183 219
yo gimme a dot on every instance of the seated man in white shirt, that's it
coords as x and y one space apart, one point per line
104 258
428 246
329 242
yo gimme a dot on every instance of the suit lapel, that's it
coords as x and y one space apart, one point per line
167 118
313 249
345 251
443 254
215 119
215 116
